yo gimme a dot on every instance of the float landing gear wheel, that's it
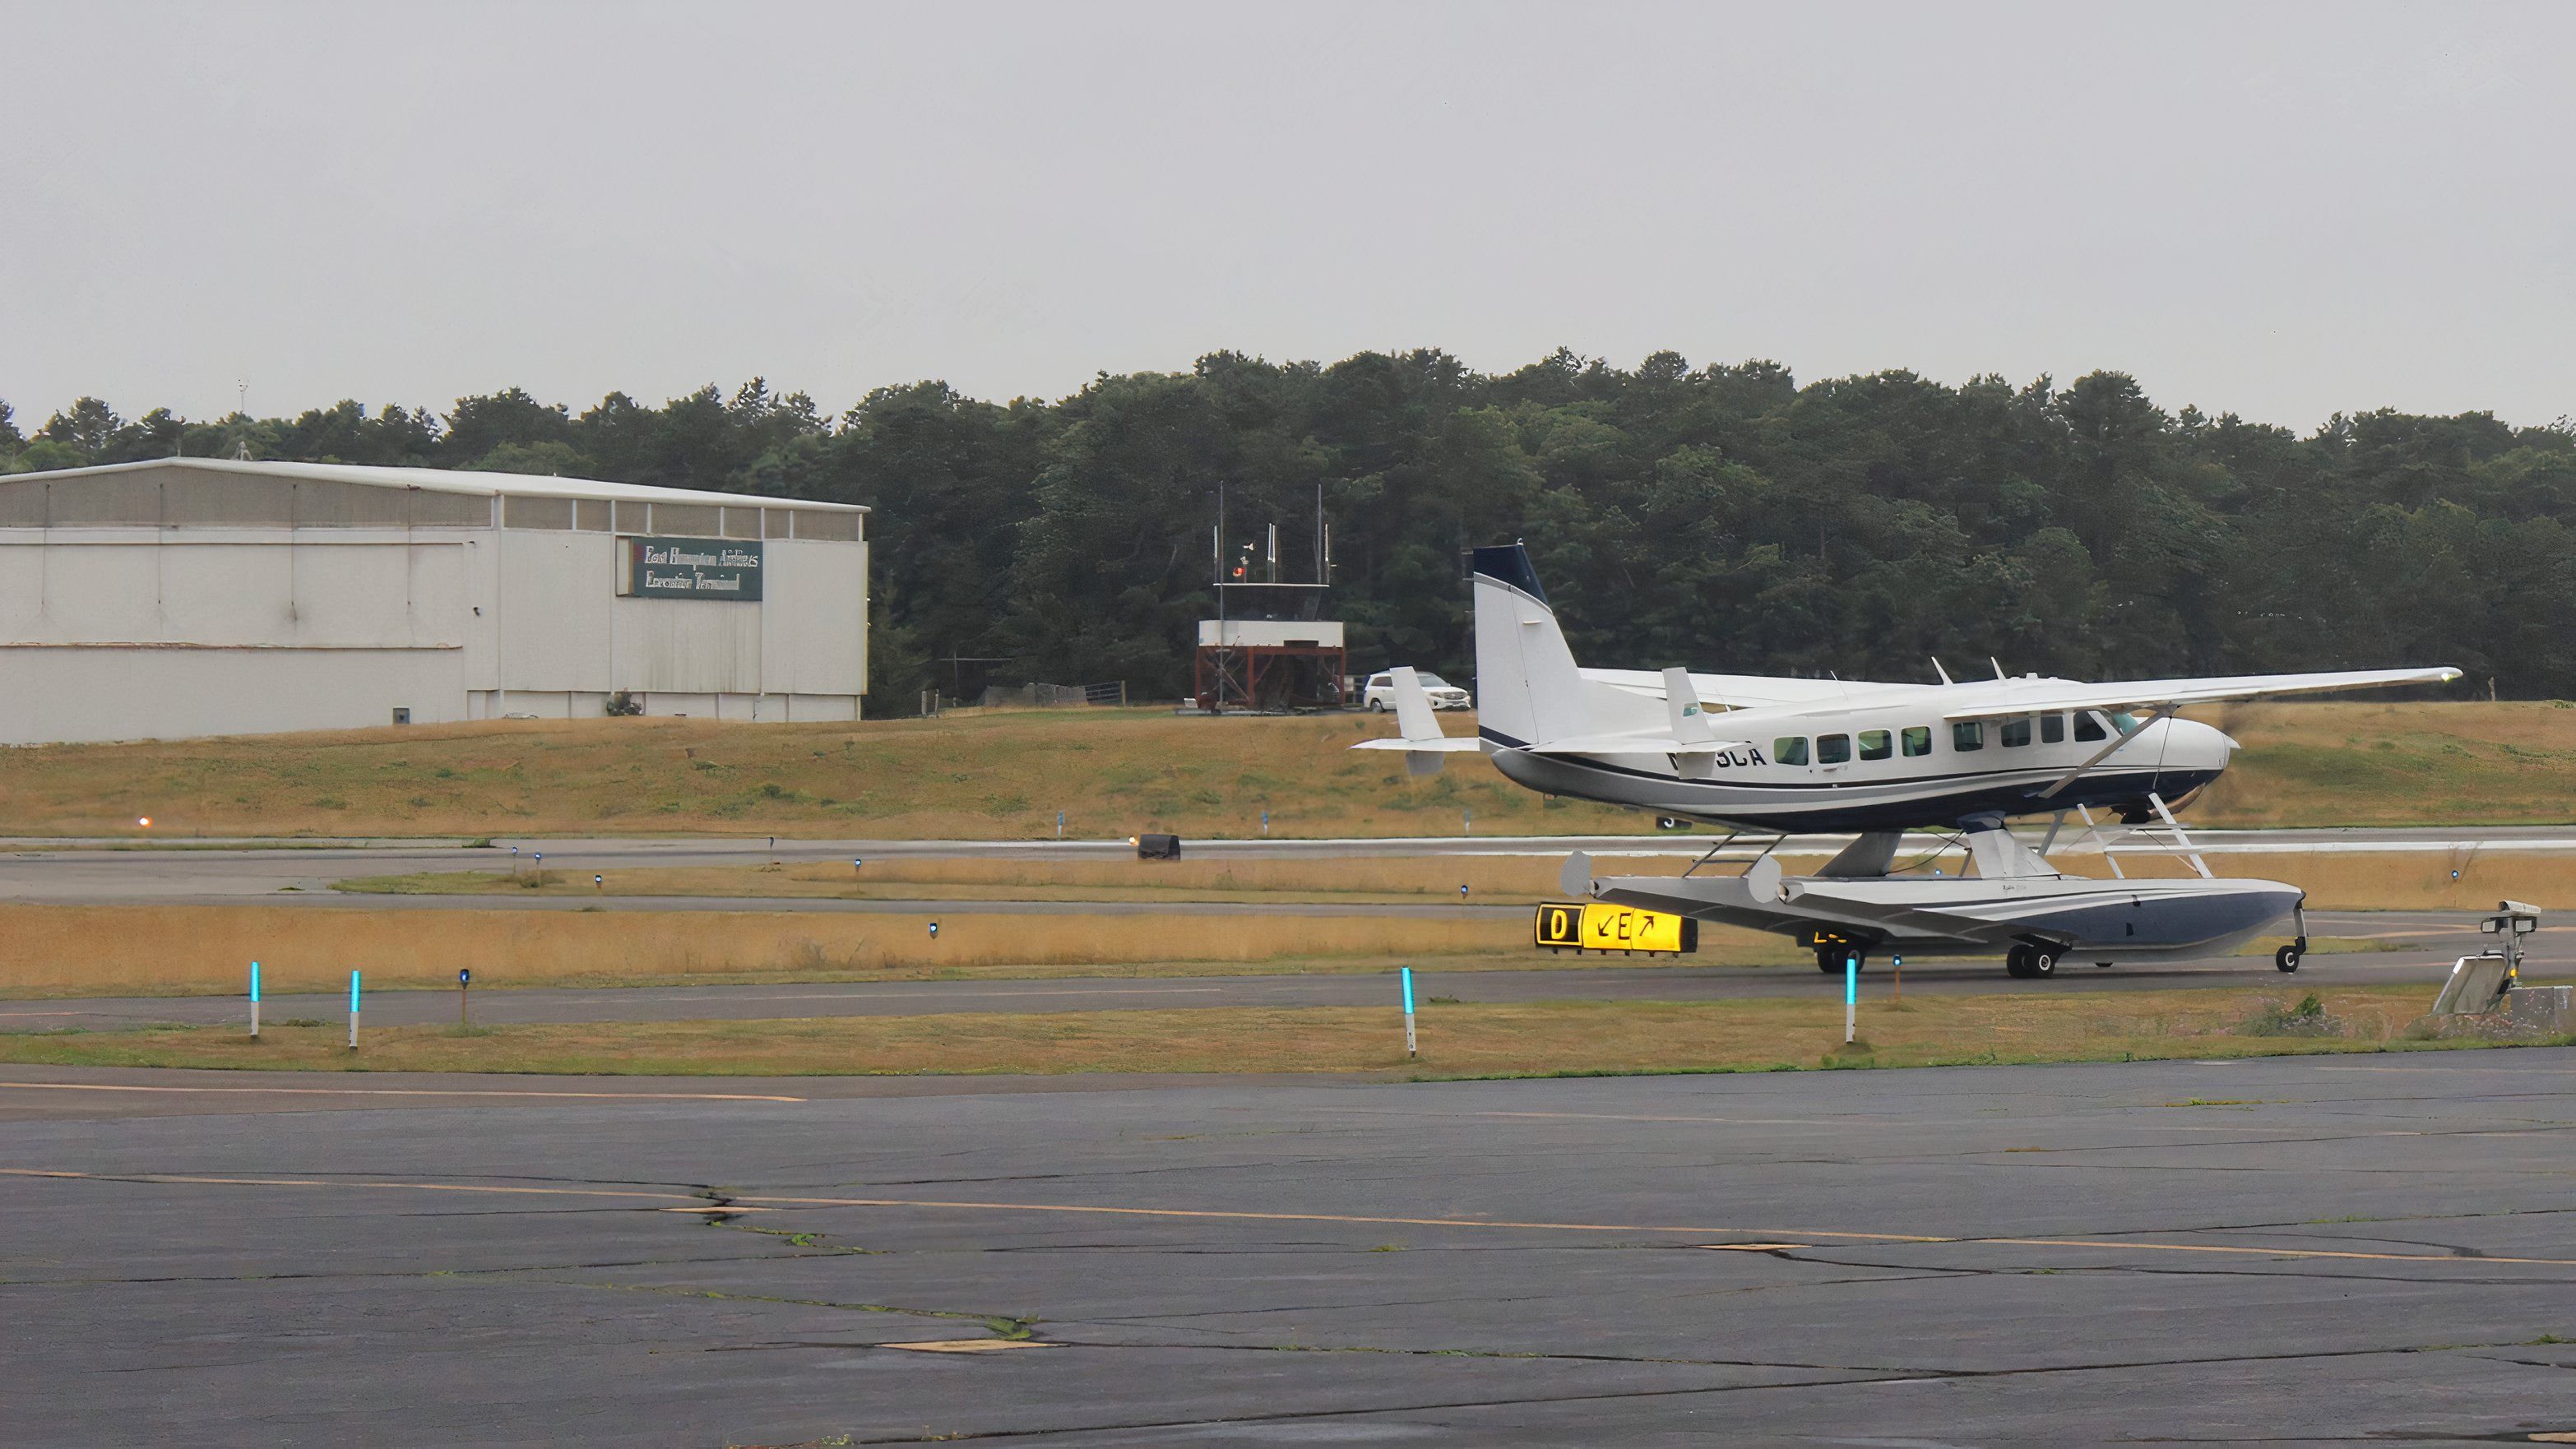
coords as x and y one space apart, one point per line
2287 959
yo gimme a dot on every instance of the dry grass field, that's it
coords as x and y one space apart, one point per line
1456 1040
2394 764
1005 774
2397 880
206 950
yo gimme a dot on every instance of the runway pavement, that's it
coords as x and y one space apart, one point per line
2296 1250
301 873
2429 941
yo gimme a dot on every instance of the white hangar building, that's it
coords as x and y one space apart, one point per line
193 596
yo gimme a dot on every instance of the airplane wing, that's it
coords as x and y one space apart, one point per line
1632 745
1738 691
2040 696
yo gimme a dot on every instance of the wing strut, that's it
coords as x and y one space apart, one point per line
2161 711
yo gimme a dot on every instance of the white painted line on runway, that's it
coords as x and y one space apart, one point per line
407 1092
2446 1067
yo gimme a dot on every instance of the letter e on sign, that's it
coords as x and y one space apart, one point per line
1625 928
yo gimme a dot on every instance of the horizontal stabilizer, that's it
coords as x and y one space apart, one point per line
1418 728
1449 745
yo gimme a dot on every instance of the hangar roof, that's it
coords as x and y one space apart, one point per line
446 480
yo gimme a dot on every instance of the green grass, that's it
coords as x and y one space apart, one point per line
1566 1038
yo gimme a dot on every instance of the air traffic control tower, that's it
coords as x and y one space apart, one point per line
1268 651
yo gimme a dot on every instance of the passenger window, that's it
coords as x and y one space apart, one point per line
1833 749
1791 750
1968 735
1918 740
2016 732
2052 729
1873 745
2088 726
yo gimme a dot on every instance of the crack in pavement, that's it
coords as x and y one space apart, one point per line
1860 1377
2142 1270
1003 1325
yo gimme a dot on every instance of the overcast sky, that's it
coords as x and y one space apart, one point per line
2277 210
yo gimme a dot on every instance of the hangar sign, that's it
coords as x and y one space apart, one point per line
690 568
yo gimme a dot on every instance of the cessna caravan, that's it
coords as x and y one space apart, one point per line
1796 755
1782 756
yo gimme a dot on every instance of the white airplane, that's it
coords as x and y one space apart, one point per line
1796 755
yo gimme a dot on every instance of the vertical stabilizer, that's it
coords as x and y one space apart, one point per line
1527 688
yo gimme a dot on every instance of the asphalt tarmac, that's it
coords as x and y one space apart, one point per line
2288 1251
301 873
2426 942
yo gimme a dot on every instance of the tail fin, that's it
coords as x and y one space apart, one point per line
1413 717
1527 688
1417 728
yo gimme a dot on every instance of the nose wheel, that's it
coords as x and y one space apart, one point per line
2287 959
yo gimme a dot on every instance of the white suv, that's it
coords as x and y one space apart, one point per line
1379 696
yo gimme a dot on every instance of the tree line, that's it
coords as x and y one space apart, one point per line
1722 516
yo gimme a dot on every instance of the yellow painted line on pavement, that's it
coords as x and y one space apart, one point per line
2104 1245
407 1092
184 1181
